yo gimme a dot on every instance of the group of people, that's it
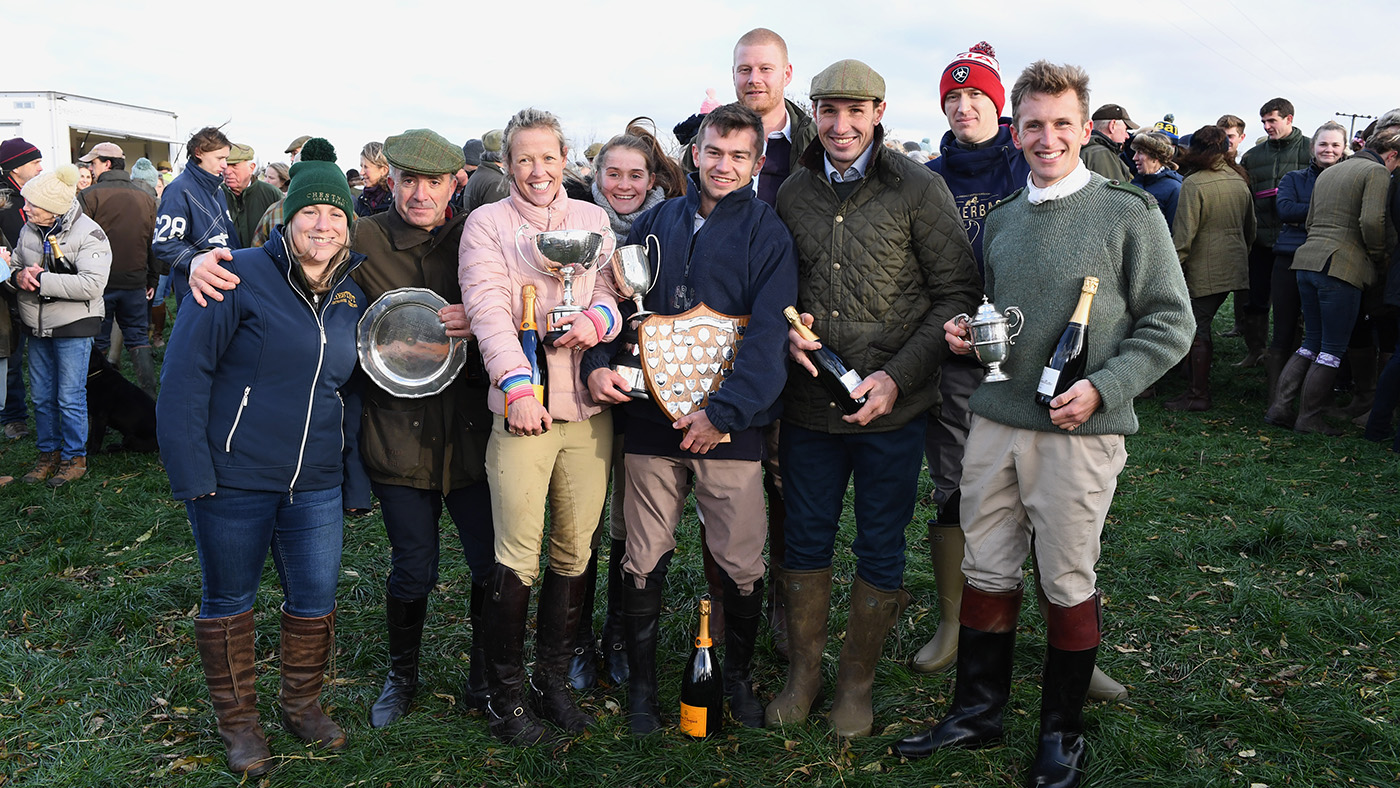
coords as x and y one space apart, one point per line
270 434
1297 227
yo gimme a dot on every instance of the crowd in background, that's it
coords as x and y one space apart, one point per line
1299 230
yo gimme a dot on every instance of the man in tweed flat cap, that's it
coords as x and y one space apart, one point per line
427 453
883 262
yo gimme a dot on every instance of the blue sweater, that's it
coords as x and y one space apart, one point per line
980 178
254 388
1165 185
193 217
1295 192
742 262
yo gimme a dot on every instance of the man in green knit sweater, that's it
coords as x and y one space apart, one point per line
1043 479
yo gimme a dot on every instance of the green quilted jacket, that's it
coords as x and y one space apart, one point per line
881 272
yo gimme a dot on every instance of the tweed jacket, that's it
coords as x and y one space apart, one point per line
1213 231
1347 221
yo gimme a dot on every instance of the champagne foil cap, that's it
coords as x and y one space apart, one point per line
796 320
1091 284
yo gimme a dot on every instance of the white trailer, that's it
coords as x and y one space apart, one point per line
65 126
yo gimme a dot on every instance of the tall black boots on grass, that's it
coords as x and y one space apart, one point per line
987 640
514 710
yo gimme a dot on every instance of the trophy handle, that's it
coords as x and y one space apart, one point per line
518 250
1020 323
962 319
651 237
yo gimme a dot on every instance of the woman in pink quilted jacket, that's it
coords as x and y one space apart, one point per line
556 450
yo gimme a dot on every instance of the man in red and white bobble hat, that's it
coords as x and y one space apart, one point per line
975 68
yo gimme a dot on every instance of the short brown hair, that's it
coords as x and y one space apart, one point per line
1231 122
1282 106
760 36
209 138
731 118
1048 79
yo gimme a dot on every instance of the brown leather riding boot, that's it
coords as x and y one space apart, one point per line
226 652
306 648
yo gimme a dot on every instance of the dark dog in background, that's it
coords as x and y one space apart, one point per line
113 401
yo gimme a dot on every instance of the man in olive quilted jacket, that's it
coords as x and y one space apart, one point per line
882 260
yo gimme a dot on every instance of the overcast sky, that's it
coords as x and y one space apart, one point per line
359 71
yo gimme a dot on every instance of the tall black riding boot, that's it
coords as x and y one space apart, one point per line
405 619
745 611
641 616
614 638
504 612
477 691
561 603
583 662
986 640
1069 664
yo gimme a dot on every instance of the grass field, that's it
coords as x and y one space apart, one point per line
1250 576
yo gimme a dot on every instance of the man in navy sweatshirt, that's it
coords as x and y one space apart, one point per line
722 247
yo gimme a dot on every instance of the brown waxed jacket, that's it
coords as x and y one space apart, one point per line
1213 231
437 442
881 271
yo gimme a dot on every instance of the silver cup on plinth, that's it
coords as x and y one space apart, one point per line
989 332
632 275
562 254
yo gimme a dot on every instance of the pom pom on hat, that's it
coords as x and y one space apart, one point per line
317 180
976 68
317 149
53 191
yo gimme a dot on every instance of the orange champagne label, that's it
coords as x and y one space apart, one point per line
693 720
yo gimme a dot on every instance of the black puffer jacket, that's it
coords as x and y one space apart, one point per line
1266 164
881 271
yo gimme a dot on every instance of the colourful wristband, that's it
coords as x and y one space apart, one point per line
599 324
516 387
609 320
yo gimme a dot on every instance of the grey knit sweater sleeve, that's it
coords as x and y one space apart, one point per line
1140 324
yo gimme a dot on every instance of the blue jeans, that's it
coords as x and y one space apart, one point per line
162 289
818 466
131 311
233 530
412 519
14 410
58 368
4 370
1330 307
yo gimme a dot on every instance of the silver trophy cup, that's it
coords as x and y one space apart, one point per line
632 275
990 335
562 254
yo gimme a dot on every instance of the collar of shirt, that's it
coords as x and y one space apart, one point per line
697 224
1077 179
855 172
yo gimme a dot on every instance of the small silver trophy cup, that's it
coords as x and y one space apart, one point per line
990 337
562 254
632 275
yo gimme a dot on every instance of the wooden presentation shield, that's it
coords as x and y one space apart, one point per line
686 357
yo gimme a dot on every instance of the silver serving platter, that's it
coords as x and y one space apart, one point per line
403 346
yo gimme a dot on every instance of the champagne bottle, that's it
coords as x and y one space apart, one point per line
838 379
1066 364
50 263
58 264
702 687
533 347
